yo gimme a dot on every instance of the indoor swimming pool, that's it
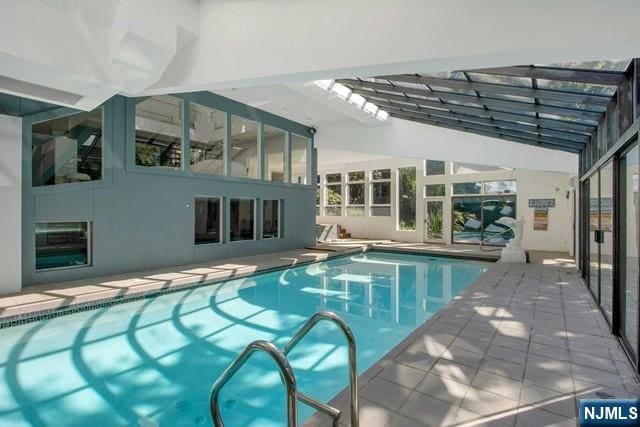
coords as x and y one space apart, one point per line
152 361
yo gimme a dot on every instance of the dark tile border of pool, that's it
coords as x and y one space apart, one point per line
430 252
34 316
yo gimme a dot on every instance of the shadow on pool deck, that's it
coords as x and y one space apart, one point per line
520 346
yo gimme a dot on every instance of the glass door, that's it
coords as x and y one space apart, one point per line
434 218
594 226
628 289
606 239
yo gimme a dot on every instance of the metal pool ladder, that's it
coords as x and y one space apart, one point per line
288 376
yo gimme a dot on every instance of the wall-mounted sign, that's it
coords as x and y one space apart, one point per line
542 203
541 219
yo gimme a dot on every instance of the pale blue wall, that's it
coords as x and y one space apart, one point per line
140 216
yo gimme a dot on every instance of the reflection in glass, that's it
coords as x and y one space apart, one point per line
207 220
494 208
207 128
407 199
467 188
381 193
594 226
299 158
274 140
158 131
67 149
434 190
62 244
467 219
244 147
500 187
606 245
435 219
270 219
629 248
241 219
381 174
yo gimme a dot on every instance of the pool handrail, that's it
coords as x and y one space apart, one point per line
351 342
286 373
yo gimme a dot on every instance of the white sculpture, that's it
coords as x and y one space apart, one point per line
513 252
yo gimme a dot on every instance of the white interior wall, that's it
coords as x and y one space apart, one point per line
530 184
10 203
415 140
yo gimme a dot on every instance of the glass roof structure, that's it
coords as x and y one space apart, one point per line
554 106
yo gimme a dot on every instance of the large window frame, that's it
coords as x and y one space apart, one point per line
333 209
254 219
355 209
89 245
373 181
278 227
220 200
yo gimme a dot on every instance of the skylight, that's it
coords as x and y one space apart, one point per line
355 99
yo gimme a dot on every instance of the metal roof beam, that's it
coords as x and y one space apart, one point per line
578 130
498 89
488 127
601 77
486 133
489 102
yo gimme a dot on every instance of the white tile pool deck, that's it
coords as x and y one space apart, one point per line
520 346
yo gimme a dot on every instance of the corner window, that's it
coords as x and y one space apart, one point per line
270 219
158 132
407 199
241 219
434 167
244 147
207 129
274 140
300 147
208 215
62 245
380 192
333 205
355 194
67 149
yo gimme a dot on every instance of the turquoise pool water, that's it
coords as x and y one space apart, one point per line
152 362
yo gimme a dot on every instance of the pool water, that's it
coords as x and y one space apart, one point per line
152 362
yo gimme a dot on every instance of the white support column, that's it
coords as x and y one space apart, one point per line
10 204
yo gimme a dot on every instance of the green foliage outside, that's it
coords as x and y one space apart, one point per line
407 199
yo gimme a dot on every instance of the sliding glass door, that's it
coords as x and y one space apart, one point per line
628 288
606 240
594 227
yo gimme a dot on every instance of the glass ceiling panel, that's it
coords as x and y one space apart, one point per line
500 80
511 110
468 104
509 97
586 107
450 90
568 119
428 98
452 75
605 65
590 88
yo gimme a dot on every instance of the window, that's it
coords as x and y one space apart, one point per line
475 219
380 192
318 195
500 187
299 153
207 220
334 194
461 168
244 147
207 129
407 199
355 194
67 149
434 167
62 245
158 132
270 219
466 188
434 190
241 219
274 140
